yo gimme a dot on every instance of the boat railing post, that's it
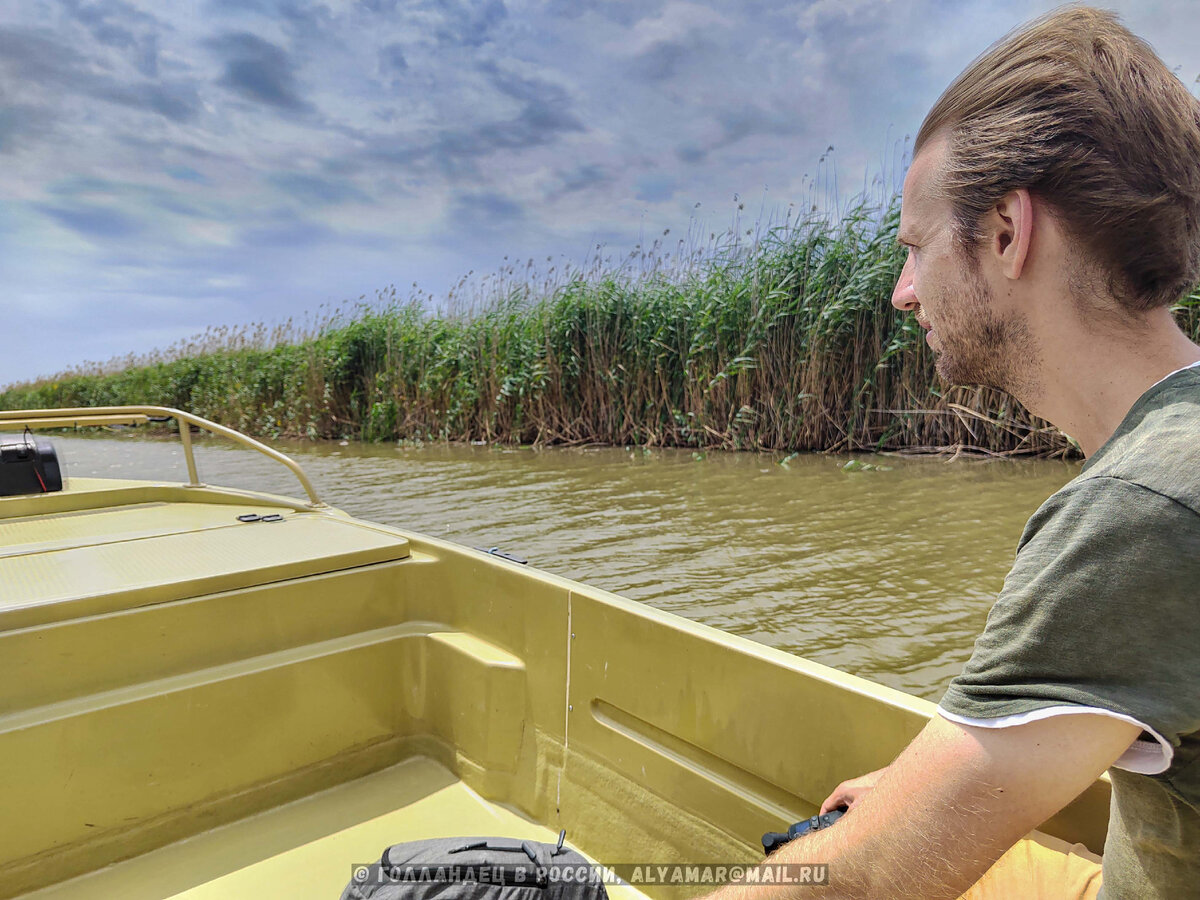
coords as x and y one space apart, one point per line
184 419
185 437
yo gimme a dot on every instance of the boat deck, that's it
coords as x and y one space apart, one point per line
307 849
61 557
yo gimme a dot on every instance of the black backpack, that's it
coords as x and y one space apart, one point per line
477 868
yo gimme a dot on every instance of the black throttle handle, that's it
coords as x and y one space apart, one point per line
773 840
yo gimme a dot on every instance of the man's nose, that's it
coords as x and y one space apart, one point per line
904 296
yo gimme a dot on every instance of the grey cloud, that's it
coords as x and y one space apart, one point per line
288 235
546 112
468 24
655 188
92 221
523 87
19 122
544 116
31 57
486 209
83 185
392 59
283 231
736 123
113 23
177 101
259 71
187 173
165 150
685 37
583 177
664 59
379 7
456 152
305 18
318 191
300 19
76 204
174 203
747 119
622 13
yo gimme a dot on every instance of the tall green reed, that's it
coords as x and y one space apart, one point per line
778 337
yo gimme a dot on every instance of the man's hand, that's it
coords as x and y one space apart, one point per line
850 792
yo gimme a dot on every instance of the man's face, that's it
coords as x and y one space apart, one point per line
943 285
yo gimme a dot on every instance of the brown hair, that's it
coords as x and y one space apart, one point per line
1083 114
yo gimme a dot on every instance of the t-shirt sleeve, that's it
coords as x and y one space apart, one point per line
1101 610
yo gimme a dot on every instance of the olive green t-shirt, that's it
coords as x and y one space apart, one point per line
1101 611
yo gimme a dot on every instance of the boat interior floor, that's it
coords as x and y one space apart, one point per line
306 849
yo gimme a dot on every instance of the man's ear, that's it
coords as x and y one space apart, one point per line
1013 220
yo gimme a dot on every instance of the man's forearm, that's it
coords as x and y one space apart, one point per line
948 808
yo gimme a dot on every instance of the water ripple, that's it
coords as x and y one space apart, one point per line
887 574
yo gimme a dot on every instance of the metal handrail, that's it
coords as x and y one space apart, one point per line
140 415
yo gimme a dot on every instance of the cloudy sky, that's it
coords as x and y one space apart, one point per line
166 167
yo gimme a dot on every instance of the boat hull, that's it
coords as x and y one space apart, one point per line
318 686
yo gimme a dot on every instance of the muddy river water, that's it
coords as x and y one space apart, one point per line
884 572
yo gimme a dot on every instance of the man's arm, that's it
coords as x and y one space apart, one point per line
950 805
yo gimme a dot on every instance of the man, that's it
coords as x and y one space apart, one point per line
1052 217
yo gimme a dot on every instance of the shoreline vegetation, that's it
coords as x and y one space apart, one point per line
779 338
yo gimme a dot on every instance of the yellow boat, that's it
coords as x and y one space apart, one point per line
216 693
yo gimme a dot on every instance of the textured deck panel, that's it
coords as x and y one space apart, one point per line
73 564
59 531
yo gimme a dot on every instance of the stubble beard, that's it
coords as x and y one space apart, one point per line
981 347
